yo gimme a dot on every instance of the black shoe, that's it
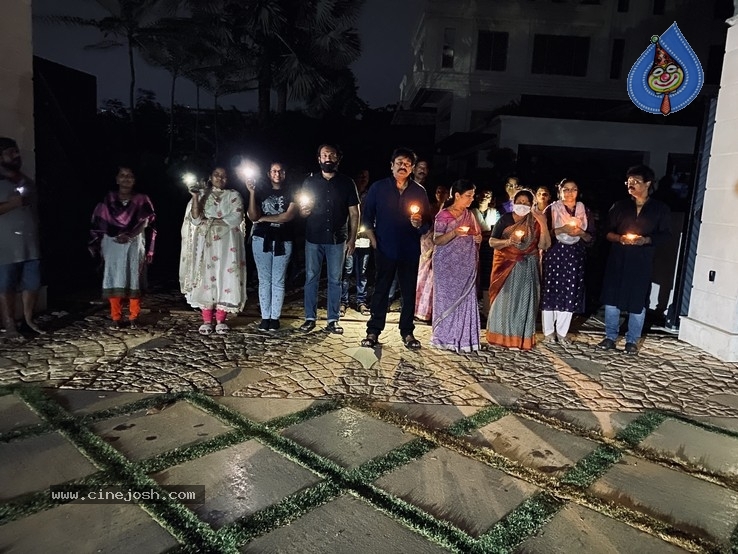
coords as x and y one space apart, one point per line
274 325
308 326
631 348
335 328
606 344
265 325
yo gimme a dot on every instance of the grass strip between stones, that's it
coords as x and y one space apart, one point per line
479 419
173 516
734 541
303 415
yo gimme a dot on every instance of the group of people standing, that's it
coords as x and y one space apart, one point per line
526 256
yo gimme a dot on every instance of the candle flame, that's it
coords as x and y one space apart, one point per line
414 209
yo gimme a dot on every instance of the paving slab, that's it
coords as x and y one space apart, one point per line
239 481
504 395
682 441
108 528
142 434
727 423
533 444
90 401
688 503
608 424
433 416
264 409
579 529
346 524
35 463
348 437
14 414
467 493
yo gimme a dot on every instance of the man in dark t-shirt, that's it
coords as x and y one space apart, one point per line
330 205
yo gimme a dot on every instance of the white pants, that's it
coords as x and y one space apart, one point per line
561 320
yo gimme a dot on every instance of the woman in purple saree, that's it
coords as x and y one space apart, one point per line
456 235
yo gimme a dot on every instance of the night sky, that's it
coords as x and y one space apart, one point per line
386 28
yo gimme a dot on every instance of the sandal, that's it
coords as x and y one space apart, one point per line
205 329
411 343
221 329
370 341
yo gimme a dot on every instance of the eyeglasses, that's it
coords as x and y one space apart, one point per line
634 182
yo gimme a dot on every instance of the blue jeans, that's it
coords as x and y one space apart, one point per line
272 271
612 324
314 255
355 264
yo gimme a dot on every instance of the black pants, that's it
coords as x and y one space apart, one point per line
407 272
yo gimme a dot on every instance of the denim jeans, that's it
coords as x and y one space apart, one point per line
612 324
272 271
314 255
356 265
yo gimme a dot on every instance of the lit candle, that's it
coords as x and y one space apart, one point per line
414 209
519 233
630 236
464 229
574 222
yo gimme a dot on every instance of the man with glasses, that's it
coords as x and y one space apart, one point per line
634 227
512 185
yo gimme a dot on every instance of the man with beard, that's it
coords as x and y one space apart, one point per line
19 245
330 203
397 214
634 227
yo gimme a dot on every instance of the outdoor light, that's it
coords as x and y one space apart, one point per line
414 209
247 171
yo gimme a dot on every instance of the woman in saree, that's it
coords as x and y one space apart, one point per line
212 267
514 288
424 288
456 239
123 235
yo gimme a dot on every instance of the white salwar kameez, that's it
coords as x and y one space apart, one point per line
212 268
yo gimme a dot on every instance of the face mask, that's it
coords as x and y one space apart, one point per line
521 209
328 167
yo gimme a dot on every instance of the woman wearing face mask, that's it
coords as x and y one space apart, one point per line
212 268
514 284
563 264
456 236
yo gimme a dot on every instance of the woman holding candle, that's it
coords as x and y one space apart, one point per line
424 288
514 284
456 236
563 290
212 268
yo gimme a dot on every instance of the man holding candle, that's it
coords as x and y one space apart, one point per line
634 227
330 205
397 214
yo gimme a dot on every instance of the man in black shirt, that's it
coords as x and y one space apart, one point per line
330 204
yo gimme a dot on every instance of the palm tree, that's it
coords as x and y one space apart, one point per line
127 23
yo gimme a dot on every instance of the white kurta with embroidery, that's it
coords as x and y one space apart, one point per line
212 268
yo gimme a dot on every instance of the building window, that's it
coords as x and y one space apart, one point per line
723 9
623 5
714 64
616 60
659 6
491 51
447 56
560 55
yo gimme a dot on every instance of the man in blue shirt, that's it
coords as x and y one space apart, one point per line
397 213
330 205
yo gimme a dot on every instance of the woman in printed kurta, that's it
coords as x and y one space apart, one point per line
212 269
123 235
456 236
514 287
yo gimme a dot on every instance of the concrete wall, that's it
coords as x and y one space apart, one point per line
16 76
712 323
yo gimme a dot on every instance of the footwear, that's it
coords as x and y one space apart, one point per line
274 325
606 344
563 340
548 339
363 309
221 328
265 325
308 326
133 323
116 325
342 310
370 341
334 327
631 348
206 329
411 342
